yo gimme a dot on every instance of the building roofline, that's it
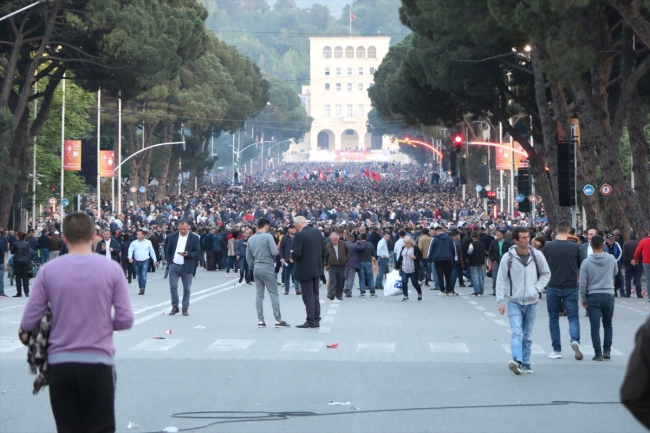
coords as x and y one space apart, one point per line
347 37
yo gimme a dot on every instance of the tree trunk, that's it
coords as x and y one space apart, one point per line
636 118
18 158
167 153
587 175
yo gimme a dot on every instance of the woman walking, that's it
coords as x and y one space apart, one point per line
408 263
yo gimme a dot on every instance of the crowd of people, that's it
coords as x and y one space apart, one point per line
306 225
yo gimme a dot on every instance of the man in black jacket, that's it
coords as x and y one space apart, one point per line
498 247
109 247
476 253
44 246
308 254
183 250
288 265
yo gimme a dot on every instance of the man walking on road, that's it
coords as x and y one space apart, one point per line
597 275
524 273
383 256
442 253
260 255
308 254
497 249
336 255
183 250
139 252
563 257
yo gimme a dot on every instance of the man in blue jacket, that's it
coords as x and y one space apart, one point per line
442 253
207 247
218 247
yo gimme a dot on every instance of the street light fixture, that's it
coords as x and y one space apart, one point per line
20 10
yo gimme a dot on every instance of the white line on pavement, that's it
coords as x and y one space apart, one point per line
11 308
162 304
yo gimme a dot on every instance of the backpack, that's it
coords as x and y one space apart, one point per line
531 250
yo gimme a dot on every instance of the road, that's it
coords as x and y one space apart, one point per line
435 365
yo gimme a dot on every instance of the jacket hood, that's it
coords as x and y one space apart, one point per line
599 259
442 236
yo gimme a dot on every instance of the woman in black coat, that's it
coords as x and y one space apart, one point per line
408 262
22 261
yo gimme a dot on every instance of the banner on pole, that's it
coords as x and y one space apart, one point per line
503 159
106 163
72 155
520 160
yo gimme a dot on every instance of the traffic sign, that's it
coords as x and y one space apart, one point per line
479 188
52 201
142 189
520 198
133 189
65 202
605 189
487 188
588 190
532 198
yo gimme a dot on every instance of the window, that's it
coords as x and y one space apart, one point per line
328 110
372 52
349 53
361 87
338 87
327 87
327 53
349 71
349 87
349 132
338 53
361 71
360 112
339 113
372 71
327 71
361 53
338 71
350 112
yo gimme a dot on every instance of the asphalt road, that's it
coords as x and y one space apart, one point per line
439 365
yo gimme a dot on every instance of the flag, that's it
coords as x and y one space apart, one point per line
352 16
375 176
365 172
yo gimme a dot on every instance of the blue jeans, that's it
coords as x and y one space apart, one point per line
456 273
140 269
2 278
244 272
427 270
646 271
289 271
167 269
366 271
232 262
435 275
554 298
633 272
476 273
383 267
601 305
522 319
45 255
405 282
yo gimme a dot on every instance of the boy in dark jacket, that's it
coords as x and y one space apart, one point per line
476 252
442 253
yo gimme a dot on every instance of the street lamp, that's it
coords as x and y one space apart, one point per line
20 10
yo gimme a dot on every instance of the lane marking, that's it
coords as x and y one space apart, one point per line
152 345
328 319
480 308
303 346
331 311
11 308
501 322
487 313
472 302
535 349
376 347
449 348
162 304
324 330
229 345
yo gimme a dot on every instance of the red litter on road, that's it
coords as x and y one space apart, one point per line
333 346
168 331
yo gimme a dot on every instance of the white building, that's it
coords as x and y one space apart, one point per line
341 71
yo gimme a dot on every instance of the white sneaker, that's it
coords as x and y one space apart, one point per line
514 367
576 348
555 355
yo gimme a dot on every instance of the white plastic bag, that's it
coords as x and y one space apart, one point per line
393 286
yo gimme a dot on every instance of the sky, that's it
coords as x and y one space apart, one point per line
336 6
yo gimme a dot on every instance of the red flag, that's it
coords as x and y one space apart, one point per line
304 177
352 16
375 176
365 172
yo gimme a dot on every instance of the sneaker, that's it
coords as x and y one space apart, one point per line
282 324
330 297
363 295
474 294
3 296
298 292
442 294
348 295
525 368
555 355
598 357
373 295
286 292
480 294
339 298
453 294
576 348
406 298
515 367
261 324
607 355
493 294
419 297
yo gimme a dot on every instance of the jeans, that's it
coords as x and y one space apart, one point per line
601 305
176 271
405 282
167 269
289 272
424 264
478 278
244 272
456 273
633 272
435 276
350 273
2 278
646 271
45 255
522 319
140 269
495 273
554 298
366 272
232 262
383 267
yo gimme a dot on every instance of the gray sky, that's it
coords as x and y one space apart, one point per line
336 6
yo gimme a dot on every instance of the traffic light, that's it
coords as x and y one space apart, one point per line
463 172
29 204
491 194
523 188
483 175
453 158
458 142
566 176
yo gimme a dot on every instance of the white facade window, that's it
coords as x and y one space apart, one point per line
360 112
339 110
372 71
328 110
338 71
361 89
338 53
327 71
361 71
349 53
327 87
350 111
338 87
372 52
349 87
361 53
349 71
327 53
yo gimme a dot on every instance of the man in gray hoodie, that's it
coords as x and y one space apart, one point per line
597 275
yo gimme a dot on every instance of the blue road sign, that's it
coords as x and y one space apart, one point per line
588 189
479 188
142 190
65 202
520 198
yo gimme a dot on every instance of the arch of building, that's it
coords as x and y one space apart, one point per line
350 140
326 140
327 53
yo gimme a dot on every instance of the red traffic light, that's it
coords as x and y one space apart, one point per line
53 188
492 194
458 142
458 139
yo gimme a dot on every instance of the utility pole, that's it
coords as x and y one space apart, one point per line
62 144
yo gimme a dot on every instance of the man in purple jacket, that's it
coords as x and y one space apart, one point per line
81 371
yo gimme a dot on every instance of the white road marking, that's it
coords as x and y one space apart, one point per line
324 329
334 306
487 313
535 349
501 322
331 311
9 345
152 345
303 346
328 319
449 348
376 348
229 345
11 308
162 304
480 308
472 302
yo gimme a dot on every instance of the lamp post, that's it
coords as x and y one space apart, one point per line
20 10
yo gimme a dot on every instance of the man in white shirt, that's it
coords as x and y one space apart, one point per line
383 256
139 252
183 250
